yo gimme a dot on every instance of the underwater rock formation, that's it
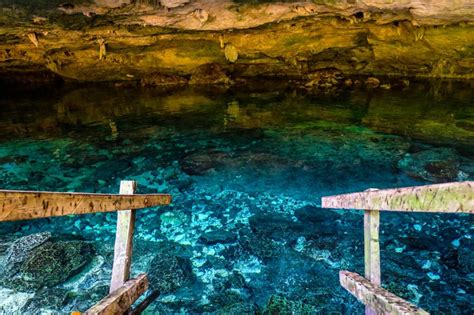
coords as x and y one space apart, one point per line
20 250
435 165
171 269
281 305
43 263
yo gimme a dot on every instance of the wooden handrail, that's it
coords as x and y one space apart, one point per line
450 197
375 297
24 205
456 197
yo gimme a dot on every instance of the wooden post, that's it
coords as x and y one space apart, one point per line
372 250
123 240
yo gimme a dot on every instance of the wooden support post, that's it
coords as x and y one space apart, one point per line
372 250
123 240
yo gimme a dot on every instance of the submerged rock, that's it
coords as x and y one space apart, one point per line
20 249
316 214
171 269
275 226
201 162
281 305
219 236
240 308
51 264
435 165
168 272
466 256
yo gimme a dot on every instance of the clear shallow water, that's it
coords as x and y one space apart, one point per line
251 165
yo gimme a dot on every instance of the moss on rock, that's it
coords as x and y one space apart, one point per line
51 264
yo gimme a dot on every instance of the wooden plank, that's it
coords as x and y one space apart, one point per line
449 197
121 299
23 205
372 250
379 299
123 240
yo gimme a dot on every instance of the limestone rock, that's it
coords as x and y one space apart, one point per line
173 3
201 15
113 3
281 305
211 73
216 237
169 272
20 249
325 79
160 79
240 308
316 214
11 302
51 264
434 165
372 82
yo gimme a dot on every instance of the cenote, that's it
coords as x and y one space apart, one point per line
247 167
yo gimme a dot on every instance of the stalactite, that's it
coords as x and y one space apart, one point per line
153 3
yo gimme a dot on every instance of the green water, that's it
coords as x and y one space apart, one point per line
246 168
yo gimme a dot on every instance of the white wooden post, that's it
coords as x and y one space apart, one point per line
123 240
372 250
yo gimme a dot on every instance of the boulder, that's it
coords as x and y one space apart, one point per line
210 73
324 79
276 226
434 165
20 249
316 214
216 237
160 79
199 163
240 308
372 82
281 305
50 264
168 272
171 268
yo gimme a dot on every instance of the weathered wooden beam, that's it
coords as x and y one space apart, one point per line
23 205
372 250
121 299
377 298
123 240
449 197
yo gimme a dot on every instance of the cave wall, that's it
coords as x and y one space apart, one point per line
107 40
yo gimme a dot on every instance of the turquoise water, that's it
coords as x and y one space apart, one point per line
246 168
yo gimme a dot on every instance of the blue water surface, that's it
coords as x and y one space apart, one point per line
246 168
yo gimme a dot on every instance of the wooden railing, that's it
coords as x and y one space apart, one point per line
452 197
455 197
23 205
